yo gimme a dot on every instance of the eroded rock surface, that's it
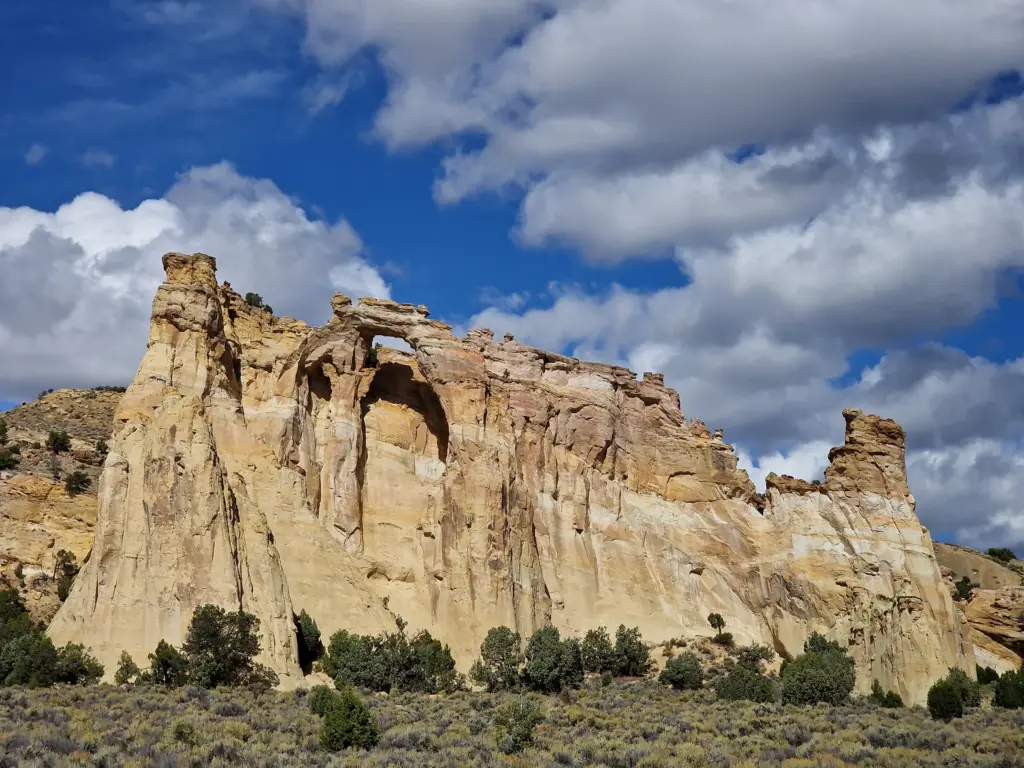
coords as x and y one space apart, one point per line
265 464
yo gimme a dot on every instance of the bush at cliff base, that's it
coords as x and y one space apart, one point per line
945 701
1010 690
824 673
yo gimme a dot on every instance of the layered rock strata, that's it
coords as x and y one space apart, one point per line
264 464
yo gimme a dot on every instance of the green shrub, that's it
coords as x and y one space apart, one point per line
964 588
883 698
716 621
349 660
945 701
254 300
76 482
127 670
8 459
77 666
970 691
3 432
221 648
1002 554
500 660
823 673
311 648
725 639
391 661
320 698
348 723
167 666
514 723
741 683
58 442
1010 690
102 448
552 664
65 570
30 659
185 732
632 657
751 656
683 673
597 651
986 675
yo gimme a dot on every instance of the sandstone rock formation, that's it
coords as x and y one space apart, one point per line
994 609
264 464
980 569
37 516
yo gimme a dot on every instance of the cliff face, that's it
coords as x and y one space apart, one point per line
261 463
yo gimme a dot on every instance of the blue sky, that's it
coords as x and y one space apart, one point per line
785 214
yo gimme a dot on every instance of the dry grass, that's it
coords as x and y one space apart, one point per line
623 725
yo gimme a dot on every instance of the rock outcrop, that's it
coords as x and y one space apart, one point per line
264 464
38 518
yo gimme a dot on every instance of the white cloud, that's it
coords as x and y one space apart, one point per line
75 309
98 158
35 154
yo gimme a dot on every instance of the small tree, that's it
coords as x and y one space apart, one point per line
320 698
752 656
347 722
970 691
1002 554
1010 690
986 675
58 442
632 657
65 569
597 651
683 673
350 660
964 588
741 683
167 666
29 659
221 648
3 432
514 723
500 660
823 673
716 621
944 701
53 464
254 300
102 448
76 482
311 648
552 663
883 698
8 459
127 670
77 666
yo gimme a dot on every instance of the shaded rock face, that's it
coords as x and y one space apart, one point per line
261 463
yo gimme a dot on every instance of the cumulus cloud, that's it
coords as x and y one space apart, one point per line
74 306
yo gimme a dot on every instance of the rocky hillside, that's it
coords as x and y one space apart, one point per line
994 609
38 517
263 464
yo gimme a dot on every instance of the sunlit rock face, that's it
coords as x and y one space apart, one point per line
264 464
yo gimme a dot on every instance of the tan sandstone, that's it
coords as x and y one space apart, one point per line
260 463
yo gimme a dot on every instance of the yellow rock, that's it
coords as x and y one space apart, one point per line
262 464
